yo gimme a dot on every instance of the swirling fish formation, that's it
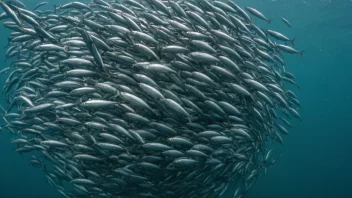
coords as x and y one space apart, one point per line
146 98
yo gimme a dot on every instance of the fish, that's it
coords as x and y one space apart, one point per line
280 36
39 5
286 22
258 14
289 49
11 13
143 98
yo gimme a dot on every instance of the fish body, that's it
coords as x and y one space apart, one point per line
286 22
258 14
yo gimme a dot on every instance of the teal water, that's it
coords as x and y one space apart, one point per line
316 158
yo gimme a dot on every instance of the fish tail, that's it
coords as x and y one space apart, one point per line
301 53
269 21
293 41
129 39
3 111
66 48
80 22
189 119
8 43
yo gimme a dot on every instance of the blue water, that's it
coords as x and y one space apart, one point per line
316 158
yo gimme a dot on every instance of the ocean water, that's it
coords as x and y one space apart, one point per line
317 156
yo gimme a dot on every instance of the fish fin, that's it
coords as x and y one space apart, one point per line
148 27
130 39
301 53
8 43
79 24
3 110
66 48
116 95
55 8
293 41
189 119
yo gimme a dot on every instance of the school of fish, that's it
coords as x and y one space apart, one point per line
147 98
